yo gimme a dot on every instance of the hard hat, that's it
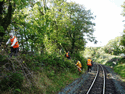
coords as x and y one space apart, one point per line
11 34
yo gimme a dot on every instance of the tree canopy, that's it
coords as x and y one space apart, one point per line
47 25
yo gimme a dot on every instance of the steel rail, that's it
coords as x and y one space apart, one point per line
96 78
93 80
104 80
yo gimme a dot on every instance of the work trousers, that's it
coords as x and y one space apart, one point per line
79 69
89 68
14 50
68 57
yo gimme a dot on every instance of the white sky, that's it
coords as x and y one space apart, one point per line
108 19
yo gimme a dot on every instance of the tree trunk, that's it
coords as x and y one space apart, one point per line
73 43
5 22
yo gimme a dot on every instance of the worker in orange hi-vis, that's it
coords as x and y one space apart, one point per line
79 65
14 44
89 64
67 55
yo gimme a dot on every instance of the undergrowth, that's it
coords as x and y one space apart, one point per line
52 72
120 69
115 62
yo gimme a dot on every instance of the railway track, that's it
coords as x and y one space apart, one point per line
110 87
101 83
98 82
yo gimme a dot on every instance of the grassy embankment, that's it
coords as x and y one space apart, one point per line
51 73
110 60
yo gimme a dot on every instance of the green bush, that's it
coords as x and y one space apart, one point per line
3 58
120 69
14 80
17 91
81 59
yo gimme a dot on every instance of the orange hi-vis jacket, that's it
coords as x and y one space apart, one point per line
16 44
79 64
67 55
89 62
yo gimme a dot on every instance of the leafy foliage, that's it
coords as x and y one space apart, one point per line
120 69
113 46
123 36
47 29
62 25
14 80
7 8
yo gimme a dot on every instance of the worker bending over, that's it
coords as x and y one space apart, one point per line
79 65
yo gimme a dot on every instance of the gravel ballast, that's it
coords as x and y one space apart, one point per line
117 81
71 88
